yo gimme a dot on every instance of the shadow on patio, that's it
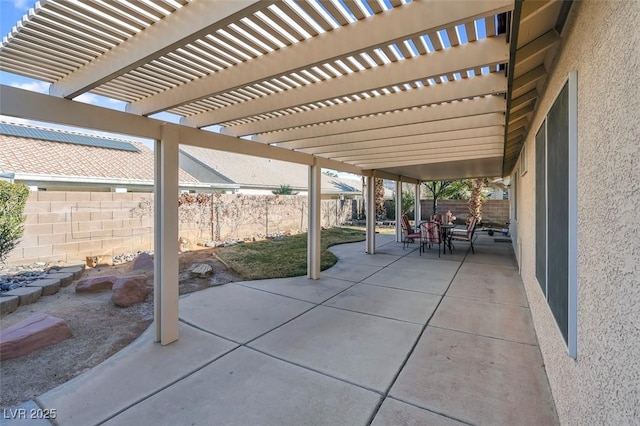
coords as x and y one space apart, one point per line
394 338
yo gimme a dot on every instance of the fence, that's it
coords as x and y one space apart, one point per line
69 226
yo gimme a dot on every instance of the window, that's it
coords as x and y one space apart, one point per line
556 210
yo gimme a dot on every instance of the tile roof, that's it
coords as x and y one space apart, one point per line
256 172
54 158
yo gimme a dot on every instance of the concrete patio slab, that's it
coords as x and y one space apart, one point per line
434 280
249 388
358 348
367 259
489 283
393 412
387 302
314 291
238 313
477 379
433 266
506 322
492 254
395 249
131 375
350 271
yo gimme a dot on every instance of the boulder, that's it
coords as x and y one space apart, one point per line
128 291
201 270
35 332
95 284
142 263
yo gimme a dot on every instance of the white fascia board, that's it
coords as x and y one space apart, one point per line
407 142
382 29
189 23
391 122
445 92
487 52
36 106
424 152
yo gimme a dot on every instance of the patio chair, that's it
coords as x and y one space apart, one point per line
408 234
430 234
468 235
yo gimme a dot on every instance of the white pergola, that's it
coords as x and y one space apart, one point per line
408 91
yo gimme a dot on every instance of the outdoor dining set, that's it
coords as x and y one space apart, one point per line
440 230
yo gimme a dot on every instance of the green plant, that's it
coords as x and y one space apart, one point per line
283 190
408 199
13 197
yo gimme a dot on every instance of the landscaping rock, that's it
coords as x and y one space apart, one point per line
95 284
49 285
35 332
143 263
201 270
27 295
8 304
128 291
77 271
66 278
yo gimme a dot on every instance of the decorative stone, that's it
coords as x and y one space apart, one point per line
95 284
128 291
8 304
49 285
77 271
143 263
27 295
33 333
201 269
66 278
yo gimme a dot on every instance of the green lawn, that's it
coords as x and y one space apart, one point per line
286 257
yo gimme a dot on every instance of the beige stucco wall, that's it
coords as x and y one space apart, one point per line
602 385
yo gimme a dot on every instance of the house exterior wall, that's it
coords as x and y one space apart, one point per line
602 385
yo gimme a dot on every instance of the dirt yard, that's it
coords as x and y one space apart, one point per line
99 329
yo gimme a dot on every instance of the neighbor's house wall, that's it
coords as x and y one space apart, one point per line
602 385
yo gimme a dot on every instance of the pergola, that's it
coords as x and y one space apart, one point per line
408 91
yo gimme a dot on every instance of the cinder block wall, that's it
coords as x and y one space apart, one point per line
69 226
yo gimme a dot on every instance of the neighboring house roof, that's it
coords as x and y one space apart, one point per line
261 173
37 151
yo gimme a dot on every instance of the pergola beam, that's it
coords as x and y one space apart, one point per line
426 154
380 30
390 122
444 92
418 162
189 23
407 143
485 52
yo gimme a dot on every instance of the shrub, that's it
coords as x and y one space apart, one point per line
13 197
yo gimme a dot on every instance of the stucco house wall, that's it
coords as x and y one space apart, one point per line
602 385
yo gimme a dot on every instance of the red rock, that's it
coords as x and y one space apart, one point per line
95 284
128 291
143 263
33 333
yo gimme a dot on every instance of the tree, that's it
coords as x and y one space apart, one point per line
447 190
379 197
476 199
283 190
407 202
13 197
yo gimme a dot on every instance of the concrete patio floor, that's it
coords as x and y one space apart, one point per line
390 339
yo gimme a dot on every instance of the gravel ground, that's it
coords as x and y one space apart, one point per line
99 329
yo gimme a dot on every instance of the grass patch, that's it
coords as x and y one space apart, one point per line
286 257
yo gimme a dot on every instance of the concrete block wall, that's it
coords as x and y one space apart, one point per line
69 226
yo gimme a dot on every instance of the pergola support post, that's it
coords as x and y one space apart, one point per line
165 280
314 233
371 215
417 209
399 210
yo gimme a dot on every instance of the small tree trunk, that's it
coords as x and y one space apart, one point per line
475 202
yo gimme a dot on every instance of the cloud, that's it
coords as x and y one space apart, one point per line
21 4
33 86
